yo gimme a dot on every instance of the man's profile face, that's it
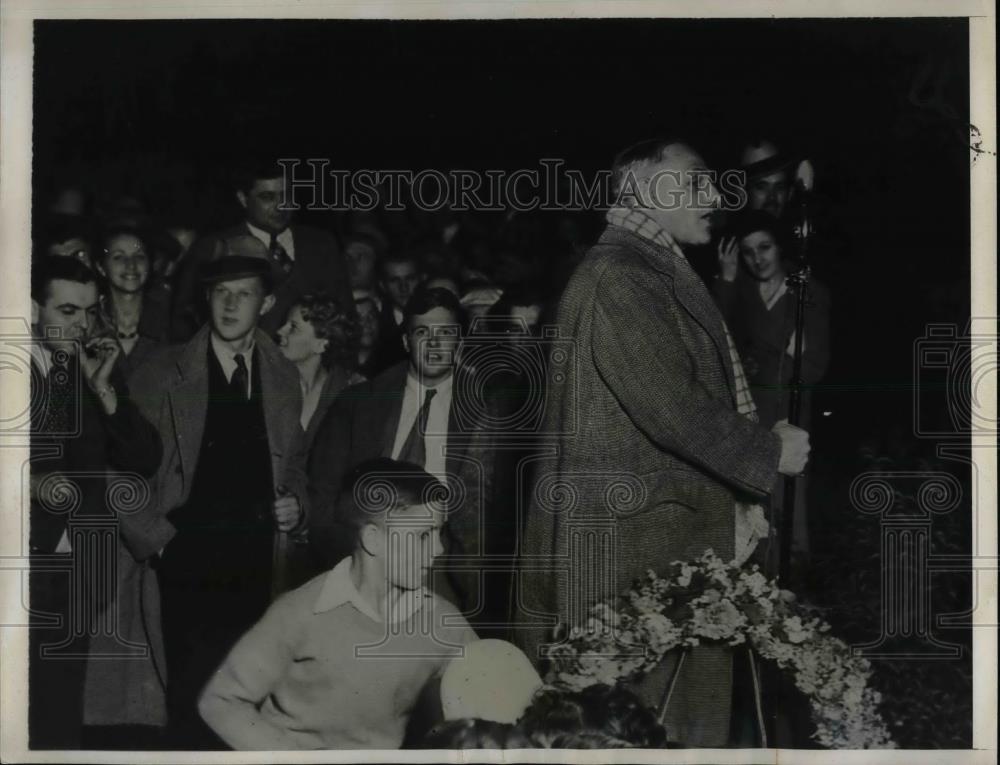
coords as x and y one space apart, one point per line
432 342
68 314
261 204
236 305
680 195
768 193
400 279
413 542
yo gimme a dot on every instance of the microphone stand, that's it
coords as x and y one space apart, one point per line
799 283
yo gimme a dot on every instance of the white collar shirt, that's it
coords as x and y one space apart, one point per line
285 239
338 589
436 436
227 360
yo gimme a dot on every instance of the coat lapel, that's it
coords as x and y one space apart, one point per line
276 378
388 390
688 289
188 400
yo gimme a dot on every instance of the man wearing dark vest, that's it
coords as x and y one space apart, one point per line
82 427
228 493
306 259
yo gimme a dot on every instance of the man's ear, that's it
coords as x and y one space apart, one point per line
370 539
241 197
267 305
35 311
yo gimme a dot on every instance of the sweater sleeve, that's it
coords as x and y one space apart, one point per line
232 700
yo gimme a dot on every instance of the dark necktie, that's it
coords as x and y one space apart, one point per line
414 450
240 380
279 255
57 406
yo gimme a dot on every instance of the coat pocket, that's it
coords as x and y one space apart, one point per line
679 487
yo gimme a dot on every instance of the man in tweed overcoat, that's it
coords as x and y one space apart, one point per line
657 453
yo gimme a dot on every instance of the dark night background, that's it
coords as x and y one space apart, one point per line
162 109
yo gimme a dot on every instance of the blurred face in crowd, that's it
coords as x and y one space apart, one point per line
368 322
297 338
125 263
761 255
69 201
444 282
432 341
768 193
399 281
236 305
360 264
679 195
409 542
261 203
68 314
72 248
476 313
525 316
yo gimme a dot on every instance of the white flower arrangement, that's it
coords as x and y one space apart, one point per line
709 601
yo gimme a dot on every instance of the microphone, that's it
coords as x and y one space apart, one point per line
805 175
805 178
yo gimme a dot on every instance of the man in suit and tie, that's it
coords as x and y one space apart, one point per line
653 400
422 410
83 426
232 484
307 259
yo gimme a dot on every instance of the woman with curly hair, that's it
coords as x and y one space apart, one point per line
137 321
321 338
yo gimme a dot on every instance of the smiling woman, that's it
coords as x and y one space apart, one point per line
124 261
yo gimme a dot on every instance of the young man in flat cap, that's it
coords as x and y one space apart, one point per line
232 481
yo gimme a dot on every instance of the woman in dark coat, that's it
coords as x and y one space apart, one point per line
759 309
321 339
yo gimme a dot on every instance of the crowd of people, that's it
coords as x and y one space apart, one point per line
333 437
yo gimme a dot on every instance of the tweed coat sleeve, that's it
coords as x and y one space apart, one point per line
147 531
295 476
638 348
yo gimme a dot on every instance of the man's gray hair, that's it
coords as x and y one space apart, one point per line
629 160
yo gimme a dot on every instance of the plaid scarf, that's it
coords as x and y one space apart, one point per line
751 523
639 222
